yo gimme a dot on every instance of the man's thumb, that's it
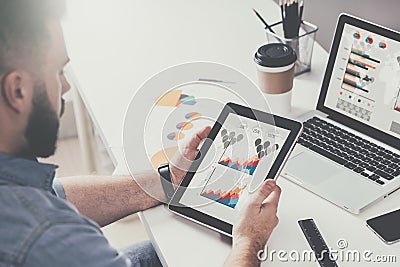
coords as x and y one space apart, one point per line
264 191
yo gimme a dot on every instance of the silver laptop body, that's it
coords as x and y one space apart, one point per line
361 95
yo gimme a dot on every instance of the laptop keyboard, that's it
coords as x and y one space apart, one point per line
355 153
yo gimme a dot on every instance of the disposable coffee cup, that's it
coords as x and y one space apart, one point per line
275 70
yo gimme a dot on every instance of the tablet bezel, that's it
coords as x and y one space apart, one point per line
294 127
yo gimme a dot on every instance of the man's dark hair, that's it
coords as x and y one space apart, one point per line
24 31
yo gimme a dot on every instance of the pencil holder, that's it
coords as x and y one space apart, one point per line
303 44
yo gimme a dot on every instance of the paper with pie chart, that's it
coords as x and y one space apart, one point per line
178 114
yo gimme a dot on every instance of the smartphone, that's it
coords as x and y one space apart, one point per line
386 226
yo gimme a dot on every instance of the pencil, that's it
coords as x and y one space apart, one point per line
300 17
301 11
263 21
291 21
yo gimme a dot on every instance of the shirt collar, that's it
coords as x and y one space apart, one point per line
26 172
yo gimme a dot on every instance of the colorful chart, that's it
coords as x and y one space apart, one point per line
175 98
176 136
186 100
358 74
184 126
169 99
228 198
192 116
247 166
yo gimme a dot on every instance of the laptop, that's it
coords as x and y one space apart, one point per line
349 151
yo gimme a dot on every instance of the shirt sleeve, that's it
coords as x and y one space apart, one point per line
74 244
59 189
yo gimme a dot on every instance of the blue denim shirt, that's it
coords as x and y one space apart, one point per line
38 228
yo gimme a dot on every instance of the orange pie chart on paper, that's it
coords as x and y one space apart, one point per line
163 156
169 99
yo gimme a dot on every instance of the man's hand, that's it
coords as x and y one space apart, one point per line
182 161
256 221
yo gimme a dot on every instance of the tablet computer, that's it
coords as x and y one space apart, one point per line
245 147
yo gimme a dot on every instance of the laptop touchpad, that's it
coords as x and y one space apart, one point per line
313 169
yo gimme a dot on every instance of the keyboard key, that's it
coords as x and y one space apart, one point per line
396 173
353 153
328 155
305 143
348 157
371 168
358 169
388 156
313 134
389 170
381 167
374 177
393 166
396 160
381 153
363 165
350 165
384 175
380 182
329 148
308 125
365 174
368 160
374 163
362 158
308 138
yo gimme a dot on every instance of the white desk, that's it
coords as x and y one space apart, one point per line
116 45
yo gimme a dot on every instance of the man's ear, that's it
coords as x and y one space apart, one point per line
14 91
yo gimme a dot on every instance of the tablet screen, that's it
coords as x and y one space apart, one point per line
235 165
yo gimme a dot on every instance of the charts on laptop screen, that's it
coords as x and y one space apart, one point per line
365 82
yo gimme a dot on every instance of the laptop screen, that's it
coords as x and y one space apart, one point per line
365 80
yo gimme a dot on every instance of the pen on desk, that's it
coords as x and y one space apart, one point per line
263 21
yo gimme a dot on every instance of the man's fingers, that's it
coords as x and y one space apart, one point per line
198 138
264 191
273 197
205 132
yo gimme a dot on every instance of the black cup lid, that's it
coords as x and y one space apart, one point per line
275 55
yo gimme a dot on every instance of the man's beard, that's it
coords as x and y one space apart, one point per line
42 130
